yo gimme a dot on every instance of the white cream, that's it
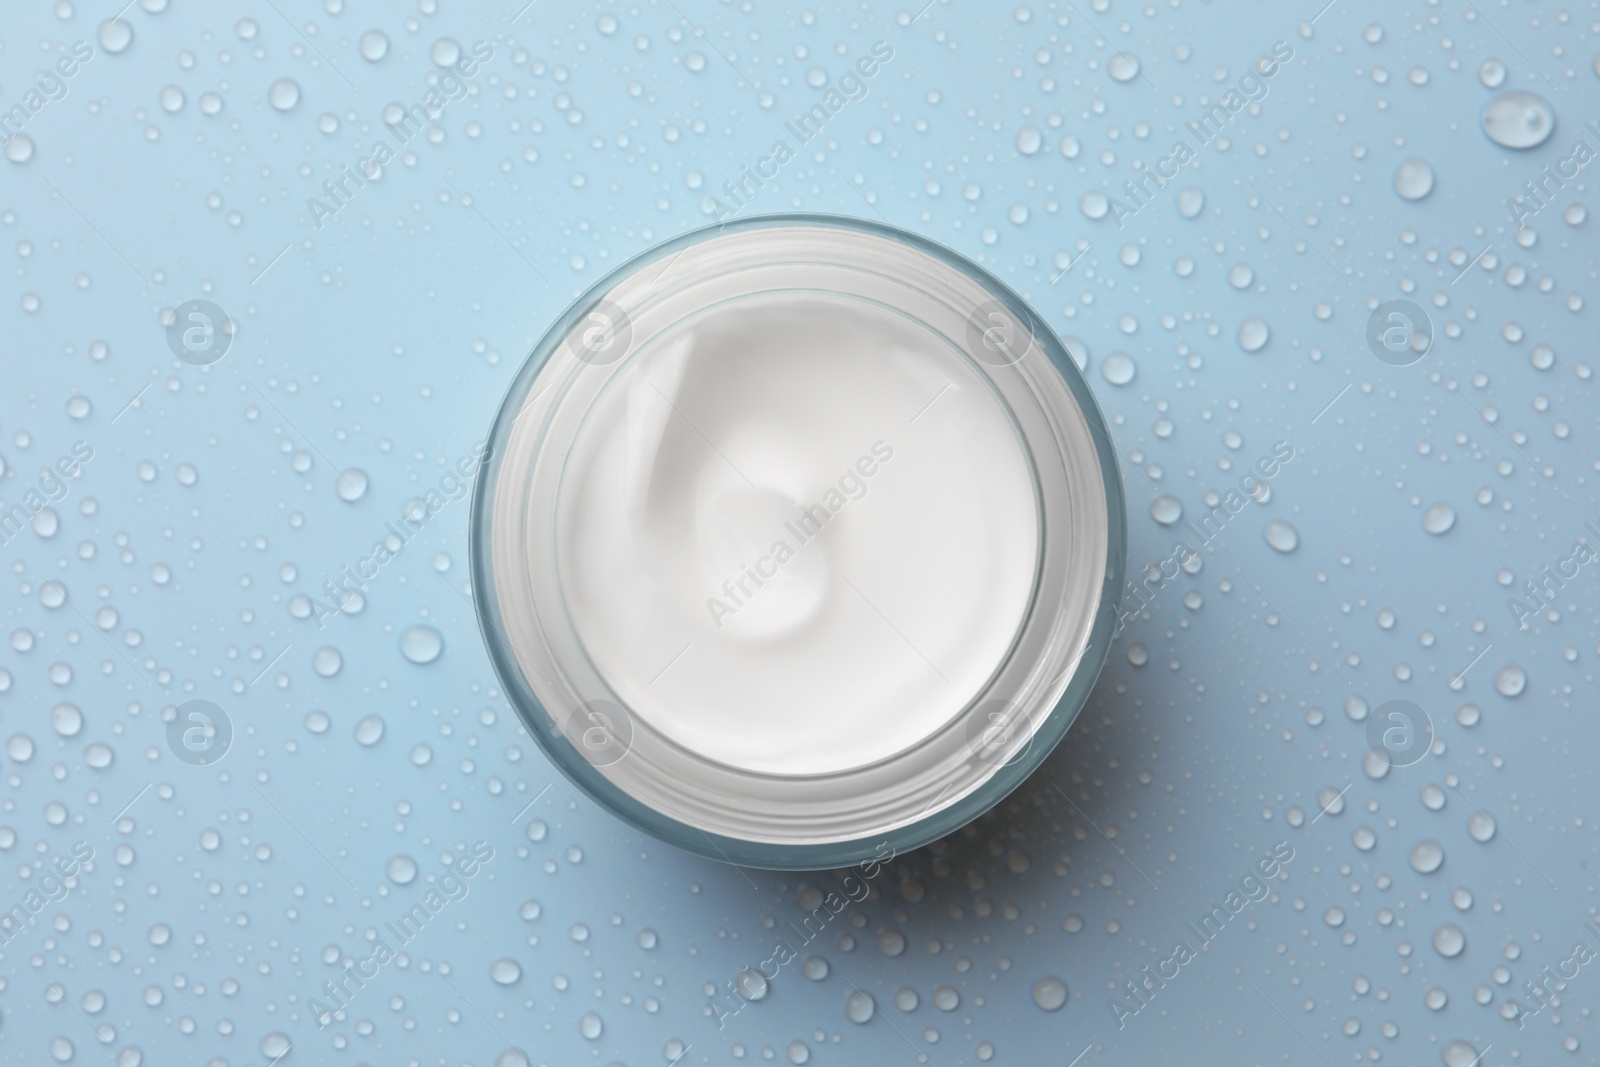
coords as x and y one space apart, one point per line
780 559
797 533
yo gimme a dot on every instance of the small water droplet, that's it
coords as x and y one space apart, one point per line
1166 509
115 35
859 1007
1123 67
369 730
352 485
1480 827
506 972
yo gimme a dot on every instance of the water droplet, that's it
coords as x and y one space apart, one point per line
115 35
1492 73
19 748
1459 1054
19 148
1481 827
1427 857
506 972
1253 334
1519 119
1123 67
1118 368
1050 993
374 45
1543 357
799 1052
446 51
1449 941
647 939
1281 536
1364 839
591 1026
1191 202
815 968
751 984
946 999
906 999
891 942
1511 680
421 644
171 99
66 719
1438 519
402 870
326 661
369 730
283 94
352 484
1166 509
1094 204
1138 655
1413 179
859 1007
1240 276
1029 140
275 1045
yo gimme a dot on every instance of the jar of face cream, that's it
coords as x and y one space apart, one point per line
799 538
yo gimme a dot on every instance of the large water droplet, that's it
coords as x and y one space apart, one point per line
369 730
19 148
1191 202
1166 509
859 1007
1281 536
283 94
1050 993
402 870
115 35
374 45
1123 67
352 485
1480 827
1438 519
421 644
1519 119
1118 368
505 971
1253 334
1427 857
1510 680
1449 941
1413 179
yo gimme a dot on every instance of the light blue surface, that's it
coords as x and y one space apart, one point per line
221 898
